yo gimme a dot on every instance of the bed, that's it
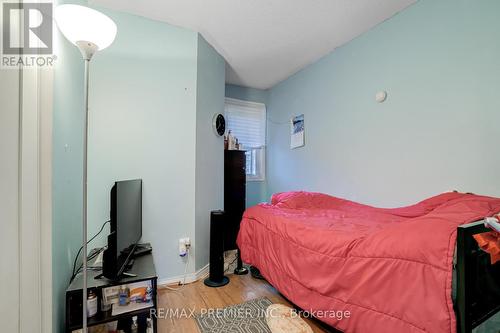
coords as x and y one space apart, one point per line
391 270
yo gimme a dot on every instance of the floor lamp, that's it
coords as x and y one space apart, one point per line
90 31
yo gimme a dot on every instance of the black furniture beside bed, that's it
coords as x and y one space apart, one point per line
225 225
478 281
144 272
234 200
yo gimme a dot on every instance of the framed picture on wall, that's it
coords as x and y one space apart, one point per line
297 131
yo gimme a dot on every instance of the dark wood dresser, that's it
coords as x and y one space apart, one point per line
234 194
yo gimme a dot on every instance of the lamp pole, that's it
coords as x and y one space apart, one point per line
85 153
87 49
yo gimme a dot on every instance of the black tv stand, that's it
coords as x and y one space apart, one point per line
142 270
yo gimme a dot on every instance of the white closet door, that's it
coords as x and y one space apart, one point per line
25 200
9 203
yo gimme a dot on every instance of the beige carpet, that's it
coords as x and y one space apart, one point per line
282 319
255 316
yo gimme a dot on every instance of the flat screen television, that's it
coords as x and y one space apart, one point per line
125 227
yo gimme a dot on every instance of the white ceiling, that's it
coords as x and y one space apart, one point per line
266 41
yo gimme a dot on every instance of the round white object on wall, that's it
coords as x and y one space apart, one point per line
381 96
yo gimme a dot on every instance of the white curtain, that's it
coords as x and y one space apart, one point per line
247 122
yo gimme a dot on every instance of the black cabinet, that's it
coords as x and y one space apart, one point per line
144 271
234 194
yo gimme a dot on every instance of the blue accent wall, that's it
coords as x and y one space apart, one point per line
256 190
67 164
211 75
439 61
143 125
247 94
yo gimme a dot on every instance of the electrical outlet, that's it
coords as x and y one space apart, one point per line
184 245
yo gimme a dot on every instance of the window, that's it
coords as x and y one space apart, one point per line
247 122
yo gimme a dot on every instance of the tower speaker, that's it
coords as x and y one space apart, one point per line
216 276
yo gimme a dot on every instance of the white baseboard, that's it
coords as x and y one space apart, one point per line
229 266
190 278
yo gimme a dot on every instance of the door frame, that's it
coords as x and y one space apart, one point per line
35 199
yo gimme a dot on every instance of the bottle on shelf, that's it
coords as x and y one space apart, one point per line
134 328
149 325
231 141
91 304
124 295
149 294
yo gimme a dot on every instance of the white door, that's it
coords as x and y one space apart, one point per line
25 200
9 199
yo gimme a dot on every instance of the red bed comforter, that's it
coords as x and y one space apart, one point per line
390 269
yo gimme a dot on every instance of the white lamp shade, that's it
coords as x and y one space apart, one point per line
83 24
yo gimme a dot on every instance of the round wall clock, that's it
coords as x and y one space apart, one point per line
219 124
